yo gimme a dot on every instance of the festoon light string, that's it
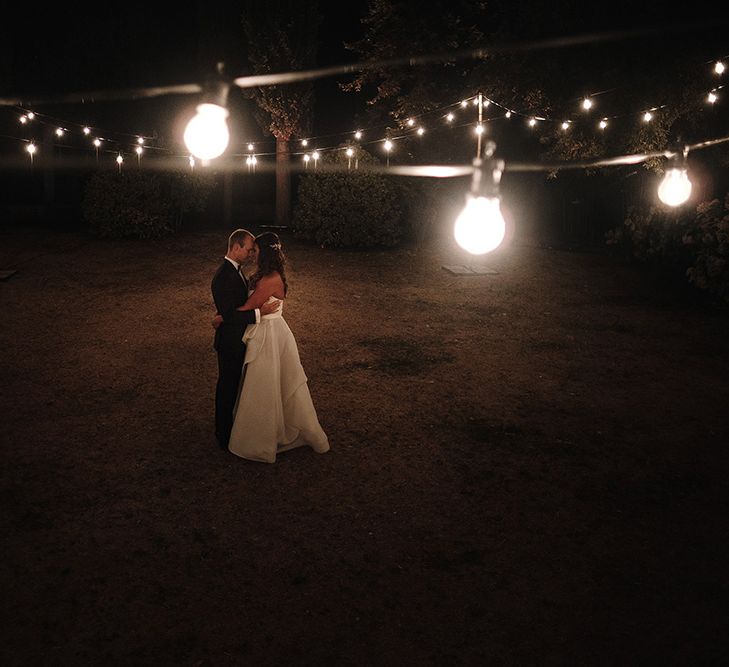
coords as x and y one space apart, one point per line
480 227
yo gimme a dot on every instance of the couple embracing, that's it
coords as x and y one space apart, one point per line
262 400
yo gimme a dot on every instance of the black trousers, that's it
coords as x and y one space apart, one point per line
230 365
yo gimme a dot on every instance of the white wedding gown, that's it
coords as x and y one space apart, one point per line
274 411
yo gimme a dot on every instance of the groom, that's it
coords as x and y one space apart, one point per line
230 291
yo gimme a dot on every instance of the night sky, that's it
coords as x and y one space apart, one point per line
67 49
70 48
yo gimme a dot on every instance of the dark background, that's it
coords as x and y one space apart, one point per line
105 48
68 49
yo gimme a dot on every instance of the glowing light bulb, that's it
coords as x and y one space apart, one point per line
475 101
719 67
31 148
307 158
532 122
464 104
450 117
87 131
140 141
304 142
358 135
97 142
59 132
254 161
421 131
566 125
119 159
603 124
712 97
250 147
480 228
587 104
31 115
479 129
23 119
350 152
647 117
315 156
411 122
388 145
138 150
675 188
206 135
507 114
486 103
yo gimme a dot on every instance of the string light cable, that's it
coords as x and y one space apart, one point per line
408 125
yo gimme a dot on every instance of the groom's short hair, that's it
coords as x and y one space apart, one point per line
238 236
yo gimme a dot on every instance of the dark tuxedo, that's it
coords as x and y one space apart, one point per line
230 291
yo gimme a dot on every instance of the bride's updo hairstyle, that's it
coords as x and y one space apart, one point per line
270 258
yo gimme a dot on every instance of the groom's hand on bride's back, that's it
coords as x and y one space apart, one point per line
266 309
272 307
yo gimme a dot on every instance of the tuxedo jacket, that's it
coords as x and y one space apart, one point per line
230 291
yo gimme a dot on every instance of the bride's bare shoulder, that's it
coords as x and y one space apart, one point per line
272 283
272 278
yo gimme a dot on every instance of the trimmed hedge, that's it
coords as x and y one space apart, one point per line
348 209
135 204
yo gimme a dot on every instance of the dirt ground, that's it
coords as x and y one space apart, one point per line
527 467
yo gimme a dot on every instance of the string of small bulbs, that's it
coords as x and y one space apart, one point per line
480 228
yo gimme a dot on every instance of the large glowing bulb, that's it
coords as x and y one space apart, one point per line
719 67
206 135
675 188
480 228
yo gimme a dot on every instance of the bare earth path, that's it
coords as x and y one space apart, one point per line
528 467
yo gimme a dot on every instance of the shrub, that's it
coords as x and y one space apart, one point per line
348 209
696 243
708 237
141 205
654 235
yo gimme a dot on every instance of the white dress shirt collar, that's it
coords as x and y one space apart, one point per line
235 264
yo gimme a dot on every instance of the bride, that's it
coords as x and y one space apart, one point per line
274 411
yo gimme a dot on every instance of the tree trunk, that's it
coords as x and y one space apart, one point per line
228 200
283 183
